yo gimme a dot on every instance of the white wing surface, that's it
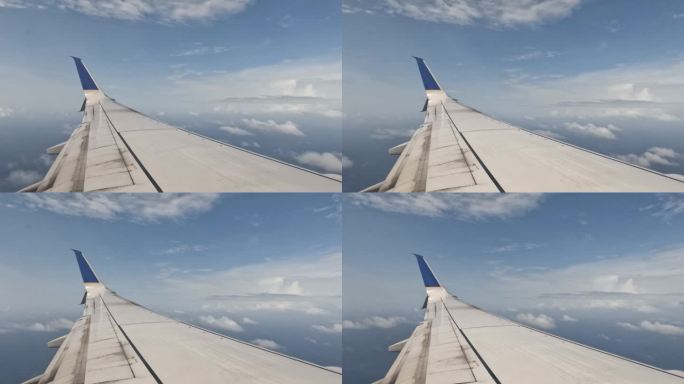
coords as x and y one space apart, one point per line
460 149
119 149
460 343
119 341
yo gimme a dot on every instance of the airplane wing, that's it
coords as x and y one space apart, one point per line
460 149
460 343
117 148
119 341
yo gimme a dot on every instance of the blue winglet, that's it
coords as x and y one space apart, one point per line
429 278
429 81
87 81
87 272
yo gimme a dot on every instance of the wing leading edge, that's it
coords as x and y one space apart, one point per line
460 343
116 148
119 341
460 149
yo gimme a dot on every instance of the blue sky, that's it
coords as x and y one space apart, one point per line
254 267
263 74
604 270
607 75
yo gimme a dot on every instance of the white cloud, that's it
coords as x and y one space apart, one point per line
291 87
652 91
648 282
387 133
202 50
542 321
20 178
569 319
655 327
309 285
236 131
507 13
5 111
48 326
536 54
266 343
374 322
288 127
514 247
653 156
668 206
183 248
133 207
248 321
462 206
327 161
589 129
166 11
333 328
223 322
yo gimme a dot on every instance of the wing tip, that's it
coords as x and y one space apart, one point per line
429 279
87 272
87 81
429 81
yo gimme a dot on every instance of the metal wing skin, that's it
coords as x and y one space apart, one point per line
460 343
116 148
119 341
460 149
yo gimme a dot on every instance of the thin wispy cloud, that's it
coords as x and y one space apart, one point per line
461 206
131 207
498 13
164 11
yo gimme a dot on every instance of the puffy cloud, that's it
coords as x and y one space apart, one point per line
266 343
589 129
270 126
133 207
654 327
507 13
48 326
541 321
327 161
462 206
4 111
223 322
374 322
248 321
236 131
653 156
333 328
569 319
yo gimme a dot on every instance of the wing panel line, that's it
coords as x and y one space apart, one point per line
147 365
491 176
147 173
484 363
